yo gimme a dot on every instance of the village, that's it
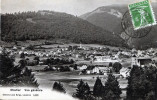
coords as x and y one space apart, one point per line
70 63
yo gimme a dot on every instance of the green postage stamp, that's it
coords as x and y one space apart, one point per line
142 14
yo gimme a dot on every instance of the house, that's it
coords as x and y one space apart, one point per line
97 70
126 53
134 60
125 72
140 53
144 61
14 48
104 59
134 51
89 69
83 67
141 61
20 52
23 48
105 69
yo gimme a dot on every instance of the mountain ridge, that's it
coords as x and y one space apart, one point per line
112 23
51 25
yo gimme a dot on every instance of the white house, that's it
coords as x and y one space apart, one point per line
125 72
104 59
98 70
14 48
83 67
93 70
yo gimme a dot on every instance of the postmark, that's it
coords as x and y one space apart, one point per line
138 20
128 27
142 14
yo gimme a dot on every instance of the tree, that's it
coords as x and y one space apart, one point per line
71 61
22 55
75 66
87 89
28 78
150 96
37 59
110 95
6 65
112 90
55 86
110 64
89 97
70 48
141 83
133 73
58 87
155 86
22 63
117 66
98 88
64 68
82 90
30 47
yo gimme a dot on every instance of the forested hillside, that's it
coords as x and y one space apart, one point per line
54 25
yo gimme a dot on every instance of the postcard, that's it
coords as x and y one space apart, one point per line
78 50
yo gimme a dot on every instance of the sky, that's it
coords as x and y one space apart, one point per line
74 7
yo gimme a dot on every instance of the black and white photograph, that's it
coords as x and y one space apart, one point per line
78 50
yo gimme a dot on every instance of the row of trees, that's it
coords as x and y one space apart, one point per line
60 68
142 83
111 90
48 61
52 61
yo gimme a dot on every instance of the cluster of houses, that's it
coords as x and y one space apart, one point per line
144 57
142 61
100 58
92 54
103 70
97 69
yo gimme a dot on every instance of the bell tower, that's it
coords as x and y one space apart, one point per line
134 60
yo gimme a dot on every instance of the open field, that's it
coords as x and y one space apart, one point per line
70 79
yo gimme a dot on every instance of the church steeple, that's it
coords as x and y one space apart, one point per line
80 45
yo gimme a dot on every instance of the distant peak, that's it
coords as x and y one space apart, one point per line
110 11
116 13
